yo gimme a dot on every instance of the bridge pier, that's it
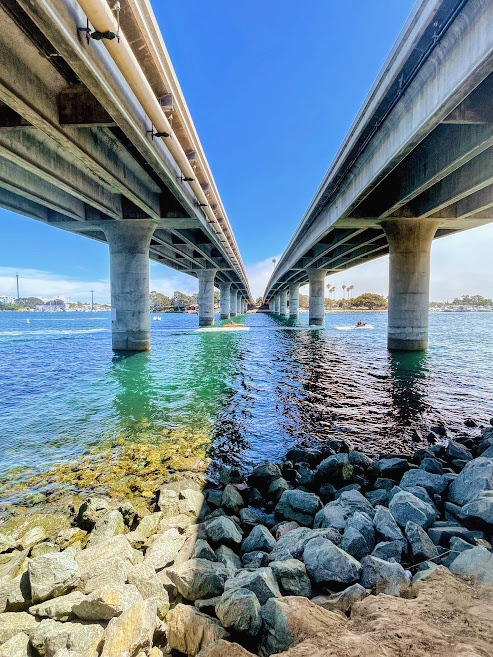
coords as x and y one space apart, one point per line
294 300
206 296
410 247
225 289
283 303
232 303
128 243
276 304
316 278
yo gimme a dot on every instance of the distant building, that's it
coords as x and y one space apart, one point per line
7 299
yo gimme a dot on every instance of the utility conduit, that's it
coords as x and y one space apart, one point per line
101 18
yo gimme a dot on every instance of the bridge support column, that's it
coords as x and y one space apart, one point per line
206 296
283 302
225 289
232 303
128 243
410 247
294 300
276 304
316 278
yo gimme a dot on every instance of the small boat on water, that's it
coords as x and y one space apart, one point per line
232 325
156 318
28 321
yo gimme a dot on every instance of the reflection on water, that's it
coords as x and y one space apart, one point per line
254 392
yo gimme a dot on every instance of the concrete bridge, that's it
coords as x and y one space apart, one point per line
417 164
96 139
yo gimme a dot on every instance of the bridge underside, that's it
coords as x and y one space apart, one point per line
77 150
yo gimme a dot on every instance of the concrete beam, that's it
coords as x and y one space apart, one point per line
77 106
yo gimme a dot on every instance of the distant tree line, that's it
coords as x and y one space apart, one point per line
475 300
160 303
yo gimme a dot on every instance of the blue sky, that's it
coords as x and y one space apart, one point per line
272 88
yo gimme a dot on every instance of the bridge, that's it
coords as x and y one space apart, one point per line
417 164
96 139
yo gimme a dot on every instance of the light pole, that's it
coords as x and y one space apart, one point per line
92 300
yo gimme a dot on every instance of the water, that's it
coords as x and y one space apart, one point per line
63 391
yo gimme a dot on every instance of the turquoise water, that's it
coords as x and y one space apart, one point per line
63 391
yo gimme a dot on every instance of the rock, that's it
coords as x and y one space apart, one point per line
51 575
433 483
335 469
442 535
230 475
44 548
207 606
191 502
263 475
333 515
285 527
165 549
12 623
239 610
292 577
277 488
15 594
255 559
107 602
250 517
203 550
132 631
478 514
383 576
292 544
50 637
300 454
91 511
114 547
328 564
189 630
422 547
231 499
147 527
342 601
388 551
359 459
198 578
228 558
378 497
457 451
259 538
431 465
224 648
362 523
7 544
406 507
299 506
386 526
353 500
109 525
168 502
477 562
130 514
354 543
223 530
148 584
261 582
98 573
60 609
17 646
392 468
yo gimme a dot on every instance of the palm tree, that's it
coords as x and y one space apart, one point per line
350 290
343 293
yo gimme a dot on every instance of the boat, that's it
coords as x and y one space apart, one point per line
232 325
28 321
156 318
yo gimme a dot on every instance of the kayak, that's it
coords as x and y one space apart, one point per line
231 325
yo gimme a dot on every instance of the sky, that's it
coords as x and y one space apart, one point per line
273 88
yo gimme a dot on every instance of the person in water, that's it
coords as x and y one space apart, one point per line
360 323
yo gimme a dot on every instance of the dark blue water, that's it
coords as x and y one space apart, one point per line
254 393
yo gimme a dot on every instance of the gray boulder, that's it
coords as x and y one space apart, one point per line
231 499
51 575
478 514
299 506
388 551
353 501
326 563
198 579
263 475
228 558
386 526
239 610
335 470
383 576
457 451
342 601
392 468
224 531
277 488
407 507
353 542
259 538
333 515
255 559
203 550
261 582
107 602
292 544
362 523
422 547
477 563
165 549
292 578
434 484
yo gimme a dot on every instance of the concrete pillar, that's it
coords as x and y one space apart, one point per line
294 300
410 247
128 243
238 304
276 304
316 278
232 303
225 289
283 302
206 296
